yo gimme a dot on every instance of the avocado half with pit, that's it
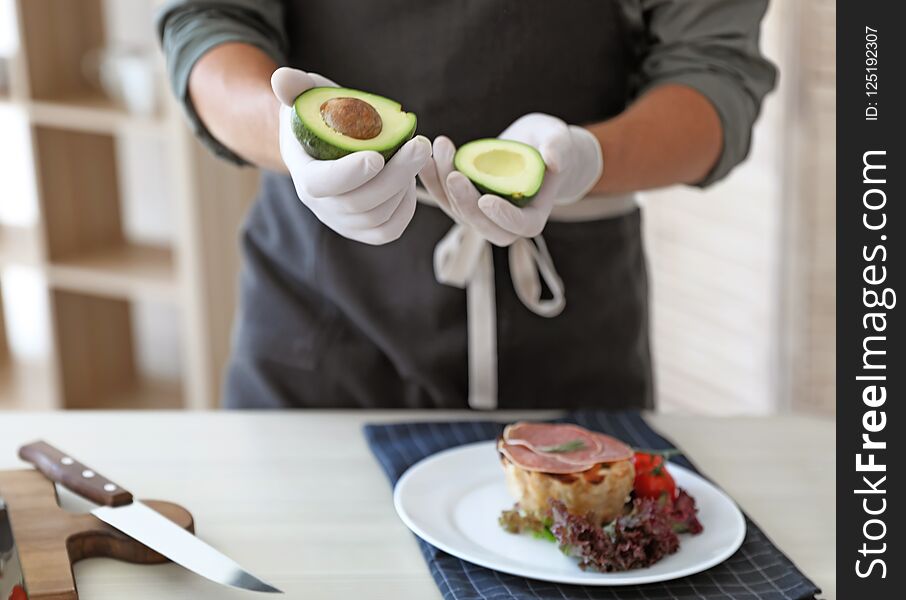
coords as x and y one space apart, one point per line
511 170
331 122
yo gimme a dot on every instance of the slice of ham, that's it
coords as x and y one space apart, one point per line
536 436
525 458
613 449
525 443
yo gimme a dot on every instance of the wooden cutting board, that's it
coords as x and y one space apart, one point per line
50 540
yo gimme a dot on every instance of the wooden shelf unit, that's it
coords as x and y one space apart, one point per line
94 272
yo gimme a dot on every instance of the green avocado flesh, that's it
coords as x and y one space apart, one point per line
511 170
325 143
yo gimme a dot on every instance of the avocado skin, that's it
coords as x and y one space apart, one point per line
320 149
519 200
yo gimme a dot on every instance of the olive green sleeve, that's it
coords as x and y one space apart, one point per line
711 46
189 28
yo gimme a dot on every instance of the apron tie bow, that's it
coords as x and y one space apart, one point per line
463 259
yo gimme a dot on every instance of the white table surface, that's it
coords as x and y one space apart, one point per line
298 498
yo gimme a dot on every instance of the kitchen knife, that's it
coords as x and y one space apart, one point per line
12 583
119 509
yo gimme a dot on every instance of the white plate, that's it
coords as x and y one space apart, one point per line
453 498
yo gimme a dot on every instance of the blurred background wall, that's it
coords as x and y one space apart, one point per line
118 248
744 273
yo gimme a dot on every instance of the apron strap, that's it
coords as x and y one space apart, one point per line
527 260
463 259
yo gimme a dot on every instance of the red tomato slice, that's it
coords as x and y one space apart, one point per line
652 480
18 593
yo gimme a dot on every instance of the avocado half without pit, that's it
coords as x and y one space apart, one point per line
511 170
332 122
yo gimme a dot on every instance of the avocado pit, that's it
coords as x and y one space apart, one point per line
352 117
332 122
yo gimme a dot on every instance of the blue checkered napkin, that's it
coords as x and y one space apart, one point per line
758 570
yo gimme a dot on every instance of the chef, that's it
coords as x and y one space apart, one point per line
373 283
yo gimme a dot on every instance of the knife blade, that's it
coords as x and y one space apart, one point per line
119 509
12 582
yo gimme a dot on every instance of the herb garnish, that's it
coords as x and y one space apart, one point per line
665 454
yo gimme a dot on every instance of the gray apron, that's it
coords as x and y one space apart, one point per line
331 323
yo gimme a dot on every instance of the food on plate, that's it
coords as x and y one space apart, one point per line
511 170
610 507
18 593
651 476
590 473
331 122
637 539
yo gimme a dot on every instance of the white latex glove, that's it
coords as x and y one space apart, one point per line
358 196
574 164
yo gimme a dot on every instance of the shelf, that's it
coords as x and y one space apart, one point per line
19 246
146 394
97 347
91 113
130 271
29 388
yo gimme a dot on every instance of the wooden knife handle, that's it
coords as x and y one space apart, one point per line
59 467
